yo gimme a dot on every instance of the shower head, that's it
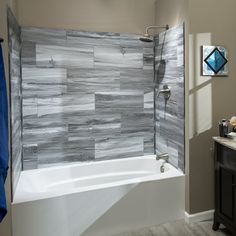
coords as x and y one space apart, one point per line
147 37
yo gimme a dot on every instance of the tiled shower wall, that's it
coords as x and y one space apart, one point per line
170 118
86 96
15 86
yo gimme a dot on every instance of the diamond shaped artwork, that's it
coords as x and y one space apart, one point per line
214 61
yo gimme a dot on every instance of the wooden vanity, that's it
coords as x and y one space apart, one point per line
225 183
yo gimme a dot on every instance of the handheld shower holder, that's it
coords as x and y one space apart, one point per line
166 92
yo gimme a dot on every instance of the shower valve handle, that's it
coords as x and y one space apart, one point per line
165 91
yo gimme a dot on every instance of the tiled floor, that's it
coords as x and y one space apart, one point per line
180 228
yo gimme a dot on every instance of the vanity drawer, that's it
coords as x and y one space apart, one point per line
226 156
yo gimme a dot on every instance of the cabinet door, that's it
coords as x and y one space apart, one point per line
226 192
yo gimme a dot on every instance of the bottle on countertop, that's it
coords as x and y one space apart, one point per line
223 127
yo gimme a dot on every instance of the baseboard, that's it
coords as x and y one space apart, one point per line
198 217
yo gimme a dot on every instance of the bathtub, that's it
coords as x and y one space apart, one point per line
97 198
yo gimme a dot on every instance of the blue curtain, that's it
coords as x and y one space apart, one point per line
4 152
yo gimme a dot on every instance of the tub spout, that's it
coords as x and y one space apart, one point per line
163 156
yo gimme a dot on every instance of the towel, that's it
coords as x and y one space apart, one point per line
4 152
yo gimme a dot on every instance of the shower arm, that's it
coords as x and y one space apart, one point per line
156 27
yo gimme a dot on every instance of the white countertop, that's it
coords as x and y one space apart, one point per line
230 143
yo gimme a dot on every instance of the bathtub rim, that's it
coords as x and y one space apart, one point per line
173 172
87 163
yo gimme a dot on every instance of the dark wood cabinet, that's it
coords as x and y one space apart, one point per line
225 187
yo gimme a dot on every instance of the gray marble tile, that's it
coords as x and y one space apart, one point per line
28 53
148 58
173 152
180 56
167 53
30 155
92 38
66 104
44 76
105 39
16 109
170 116
132 41
137 124
171 128
43 82
161 144
30 165
148 148
70 151
118 102
42 122
172 106
94 80
90 93
16 91
79 132
15 53
64 56
98 125
43 35
42 130
104 125
181 160
172 36
136 79
16 160
94 126
149 102
16 171
29 108
118 147
118 57
43 91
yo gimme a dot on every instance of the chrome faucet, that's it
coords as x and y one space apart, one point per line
165 91
165 158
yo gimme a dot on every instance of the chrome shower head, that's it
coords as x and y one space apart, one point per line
146 38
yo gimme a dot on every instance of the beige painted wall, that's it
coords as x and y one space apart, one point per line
171 12
5 226
13 4
130 16
211 99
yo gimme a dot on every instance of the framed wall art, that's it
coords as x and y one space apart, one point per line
214 61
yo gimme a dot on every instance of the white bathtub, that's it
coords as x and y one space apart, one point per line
99 198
